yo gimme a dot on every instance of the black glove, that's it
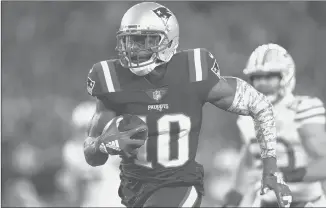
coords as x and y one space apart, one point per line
282 191
114 142
233 198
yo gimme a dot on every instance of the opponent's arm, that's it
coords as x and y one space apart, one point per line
236 96
314 137
240 181
243 166
93 155
311 121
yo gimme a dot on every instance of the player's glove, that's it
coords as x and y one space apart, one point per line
115 142
282 191
120 144
293 175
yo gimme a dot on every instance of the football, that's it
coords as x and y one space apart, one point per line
125 123
130 124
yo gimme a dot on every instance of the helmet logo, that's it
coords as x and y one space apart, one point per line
163 13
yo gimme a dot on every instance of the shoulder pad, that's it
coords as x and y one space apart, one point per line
102 78
202 64
309 110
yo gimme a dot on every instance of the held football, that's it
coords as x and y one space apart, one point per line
132 122
124 134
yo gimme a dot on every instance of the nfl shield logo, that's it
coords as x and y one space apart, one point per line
157 95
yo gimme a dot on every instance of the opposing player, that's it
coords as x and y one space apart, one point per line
167 89
301 142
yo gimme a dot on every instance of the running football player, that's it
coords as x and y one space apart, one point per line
167 89
301 137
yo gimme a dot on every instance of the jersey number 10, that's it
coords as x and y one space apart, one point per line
163 142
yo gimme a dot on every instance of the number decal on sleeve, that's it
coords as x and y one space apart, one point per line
164 142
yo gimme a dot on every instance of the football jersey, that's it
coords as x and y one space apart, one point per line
172 109
290 113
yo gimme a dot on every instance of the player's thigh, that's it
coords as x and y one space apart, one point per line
174 197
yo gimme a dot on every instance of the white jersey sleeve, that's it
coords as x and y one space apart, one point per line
310 110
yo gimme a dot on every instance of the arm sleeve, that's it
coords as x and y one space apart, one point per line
248 101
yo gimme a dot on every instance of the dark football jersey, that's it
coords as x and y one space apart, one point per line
172 110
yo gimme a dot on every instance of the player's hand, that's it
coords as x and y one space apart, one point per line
282 191
120 142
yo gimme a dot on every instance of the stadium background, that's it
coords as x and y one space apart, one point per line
48 48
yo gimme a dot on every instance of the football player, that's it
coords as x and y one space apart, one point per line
167 90
301 137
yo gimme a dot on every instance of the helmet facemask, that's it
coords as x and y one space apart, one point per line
286 84
140 50
267 83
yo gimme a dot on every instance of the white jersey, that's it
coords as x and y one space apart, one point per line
291 113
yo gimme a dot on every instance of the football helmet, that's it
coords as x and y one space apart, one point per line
272 58
148 37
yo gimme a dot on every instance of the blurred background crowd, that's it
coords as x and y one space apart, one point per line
48 49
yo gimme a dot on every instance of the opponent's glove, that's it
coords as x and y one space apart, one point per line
233 198
282 191
293 175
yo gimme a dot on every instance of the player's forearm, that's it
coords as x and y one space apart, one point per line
248 101
93 155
